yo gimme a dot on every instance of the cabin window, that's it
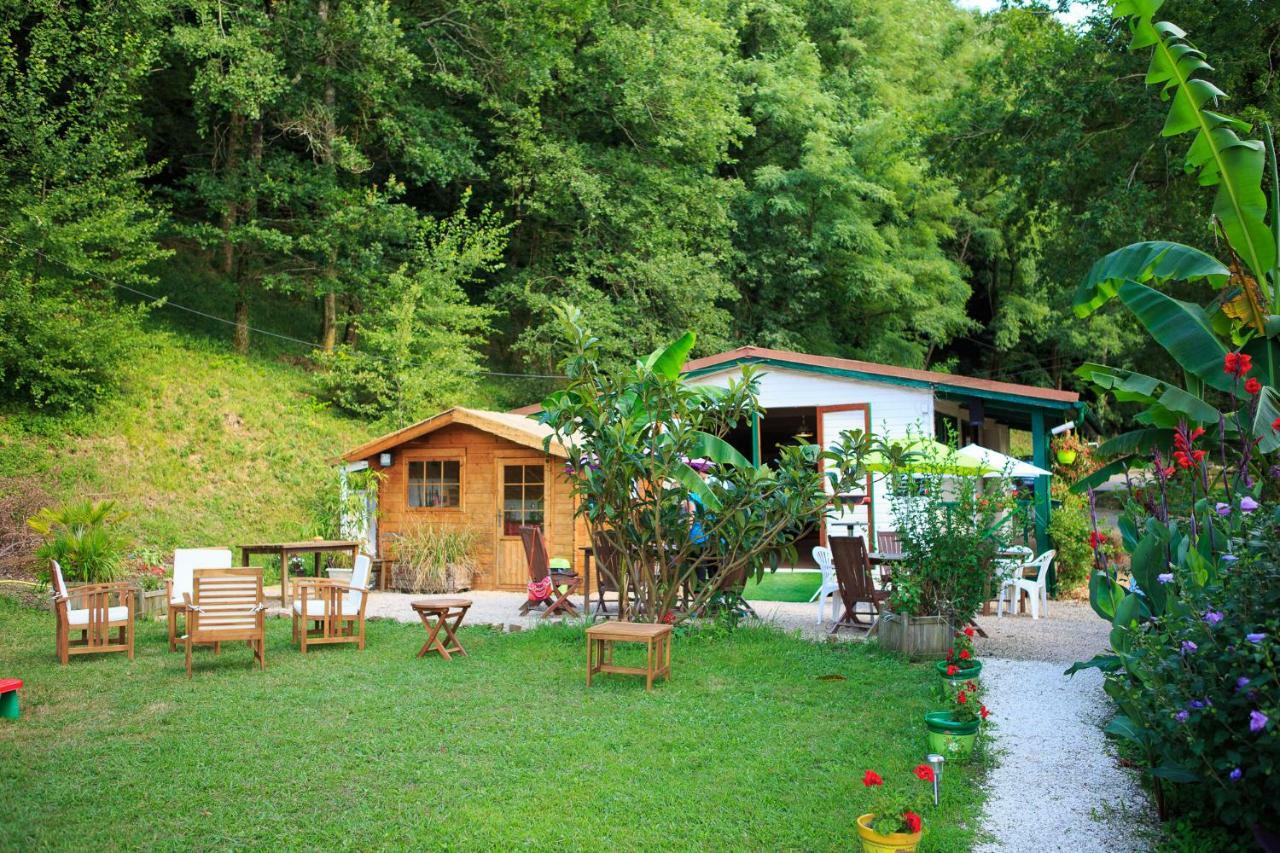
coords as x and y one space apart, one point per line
435 484
523 497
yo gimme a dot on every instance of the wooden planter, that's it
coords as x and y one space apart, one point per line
916 636
151 604
457 578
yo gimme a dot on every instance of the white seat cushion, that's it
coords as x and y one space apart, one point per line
81 617
315 609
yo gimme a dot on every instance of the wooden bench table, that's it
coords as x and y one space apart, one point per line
657 640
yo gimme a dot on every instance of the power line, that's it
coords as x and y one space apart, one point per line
171 304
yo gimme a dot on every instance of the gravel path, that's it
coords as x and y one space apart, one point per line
1056 786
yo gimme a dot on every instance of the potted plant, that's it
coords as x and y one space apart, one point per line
434 558
892 823
953 730
962 663
1067 448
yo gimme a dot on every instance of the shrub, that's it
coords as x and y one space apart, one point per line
1069 529
432 558
84 538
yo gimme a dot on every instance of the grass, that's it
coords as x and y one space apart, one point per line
747 747
203 447
783 586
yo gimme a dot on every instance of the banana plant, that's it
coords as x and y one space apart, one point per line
1244 313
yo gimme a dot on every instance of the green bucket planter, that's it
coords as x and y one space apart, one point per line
1067 457
963 673
950 737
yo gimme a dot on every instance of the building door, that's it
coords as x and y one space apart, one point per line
522 501
833 420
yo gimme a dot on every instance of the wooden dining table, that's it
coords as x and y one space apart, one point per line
286 550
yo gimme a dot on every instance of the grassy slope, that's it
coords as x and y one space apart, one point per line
202 447
745 748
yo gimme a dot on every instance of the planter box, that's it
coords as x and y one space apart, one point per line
916 636
456 578
152 604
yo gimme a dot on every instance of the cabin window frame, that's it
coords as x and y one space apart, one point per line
424 458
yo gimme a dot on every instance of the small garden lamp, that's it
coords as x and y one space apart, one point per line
935 761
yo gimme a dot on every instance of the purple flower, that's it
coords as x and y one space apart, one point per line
1242 683
1235 775
1229 558
1255 638
1188 647
1222 509
1181 716
1196 704
1257 721
1212 617
1167 577
1248 504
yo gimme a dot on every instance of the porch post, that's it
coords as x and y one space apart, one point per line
1042 503
755 439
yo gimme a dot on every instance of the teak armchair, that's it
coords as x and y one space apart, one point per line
226 605
94 619
186 561
329 611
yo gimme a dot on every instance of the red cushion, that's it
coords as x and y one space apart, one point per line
7 684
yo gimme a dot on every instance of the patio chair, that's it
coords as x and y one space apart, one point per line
1036 588
94 619
186 561
853 574
542 586
830 588
606 563
888 542
226 605
330 611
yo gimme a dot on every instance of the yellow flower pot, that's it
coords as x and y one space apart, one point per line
895 842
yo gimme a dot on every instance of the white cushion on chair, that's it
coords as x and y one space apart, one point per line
315 609
81 617
187 560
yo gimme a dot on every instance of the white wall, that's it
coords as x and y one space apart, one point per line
895 411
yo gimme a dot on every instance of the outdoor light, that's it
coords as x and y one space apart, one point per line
384 459
1061 428
935 761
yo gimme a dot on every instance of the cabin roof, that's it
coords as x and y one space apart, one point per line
513 427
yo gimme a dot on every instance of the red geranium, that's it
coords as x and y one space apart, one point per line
1253 386
964 654
952 669
1275 425
871 778
951 653
968 631
983 712
912 820
1096 540
962 697
925 772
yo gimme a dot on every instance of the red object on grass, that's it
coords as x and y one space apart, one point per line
10 684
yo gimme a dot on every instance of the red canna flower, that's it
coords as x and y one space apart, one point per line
962 697
1096 540
1275 425
952 669
964 654
1197 455
924 772
1170 471
871 778
983 712
1196 433
968 631
1253 386
1231 363
912 820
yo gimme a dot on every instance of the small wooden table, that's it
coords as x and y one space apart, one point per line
657 640
435 614
285 550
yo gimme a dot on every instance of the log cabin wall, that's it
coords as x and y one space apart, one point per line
480 454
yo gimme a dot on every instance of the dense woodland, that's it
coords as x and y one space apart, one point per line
408 187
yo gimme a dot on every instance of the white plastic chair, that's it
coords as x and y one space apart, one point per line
829 587
1037 588
185 562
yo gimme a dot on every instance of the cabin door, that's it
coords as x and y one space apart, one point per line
522 501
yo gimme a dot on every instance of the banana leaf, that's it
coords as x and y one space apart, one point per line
1131 387
1155 261
669 361
1183 330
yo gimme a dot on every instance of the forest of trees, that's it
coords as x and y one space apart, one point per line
896 180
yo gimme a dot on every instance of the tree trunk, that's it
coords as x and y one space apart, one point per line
242 279
230 213
329 322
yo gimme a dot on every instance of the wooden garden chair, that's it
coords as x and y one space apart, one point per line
888 542
226 605
185 562
607 563
544 588
329 611
95 618
853 575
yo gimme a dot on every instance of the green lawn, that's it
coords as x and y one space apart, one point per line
783 586
746 748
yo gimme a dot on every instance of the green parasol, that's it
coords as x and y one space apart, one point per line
924 456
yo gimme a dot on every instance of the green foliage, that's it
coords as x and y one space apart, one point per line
419 336
1069 531
84 537
75 215
435 558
